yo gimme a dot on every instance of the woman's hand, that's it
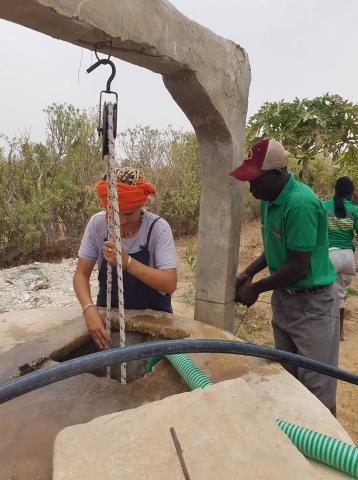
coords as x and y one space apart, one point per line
96 328
109 254
161 280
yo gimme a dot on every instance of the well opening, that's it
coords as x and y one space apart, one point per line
136 369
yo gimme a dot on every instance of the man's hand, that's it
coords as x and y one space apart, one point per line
243 279
96 328
247 294
109 254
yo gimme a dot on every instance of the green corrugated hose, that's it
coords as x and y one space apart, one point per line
328 450
186 368
152 362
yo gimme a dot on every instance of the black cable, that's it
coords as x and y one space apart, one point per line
110 357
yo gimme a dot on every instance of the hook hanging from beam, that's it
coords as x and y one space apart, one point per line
105 61
102 110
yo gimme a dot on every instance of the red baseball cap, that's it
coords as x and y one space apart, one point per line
265 155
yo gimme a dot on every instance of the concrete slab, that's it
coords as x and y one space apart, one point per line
18 327
283 397
26 335
223 430
29 424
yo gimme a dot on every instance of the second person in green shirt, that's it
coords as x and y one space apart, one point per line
342 224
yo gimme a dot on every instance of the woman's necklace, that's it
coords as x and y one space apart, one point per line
134 230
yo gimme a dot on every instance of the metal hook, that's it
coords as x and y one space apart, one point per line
105 44
105 62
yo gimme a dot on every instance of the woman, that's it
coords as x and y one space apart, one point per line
342 223
148 255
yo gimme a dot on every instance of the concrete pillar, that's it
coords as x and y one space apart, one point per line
207 75
219 239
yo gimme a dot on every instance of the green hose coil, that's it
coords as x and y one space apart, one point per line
186 368
325 449
152 362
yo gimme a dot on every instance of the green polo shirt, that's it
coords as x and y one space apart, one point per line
297 220
341 230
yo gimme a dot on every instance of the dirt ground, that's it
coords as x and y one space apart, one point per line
254 325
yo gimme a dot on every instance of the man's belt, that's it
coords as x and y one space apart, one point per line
317 289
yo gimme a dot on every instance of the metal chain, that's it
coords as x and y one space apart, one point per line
114 232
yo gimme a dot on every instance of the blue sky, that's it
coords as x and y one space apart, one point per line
301 49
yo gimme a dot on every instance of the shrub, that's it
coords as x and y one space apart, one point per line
47 190
170 160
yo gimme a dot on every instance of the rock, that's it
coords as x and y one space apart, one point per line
40 284
33 278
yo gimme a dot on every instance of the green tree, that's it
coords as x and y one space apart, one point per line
323 126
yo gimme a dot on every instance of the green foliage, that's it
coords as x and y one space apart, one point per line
347 165
46 191
351 292
251 208
244 324
320 175
324 127
170 160
190 258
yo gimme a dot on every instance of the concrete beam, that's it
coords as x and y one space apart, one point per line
207 76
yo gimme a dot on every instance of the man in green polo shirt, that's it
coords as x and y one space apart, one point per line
304 302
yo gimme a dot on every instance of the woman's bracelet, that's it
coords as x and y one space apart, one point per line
129 261
86 307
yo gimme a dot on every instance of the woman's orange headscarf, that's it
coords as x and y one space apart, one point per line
129 196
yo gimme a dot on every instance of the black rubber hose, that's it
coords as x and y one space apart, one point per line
39 379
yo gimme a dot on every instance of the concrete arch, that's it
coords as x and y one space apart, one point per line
207 76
